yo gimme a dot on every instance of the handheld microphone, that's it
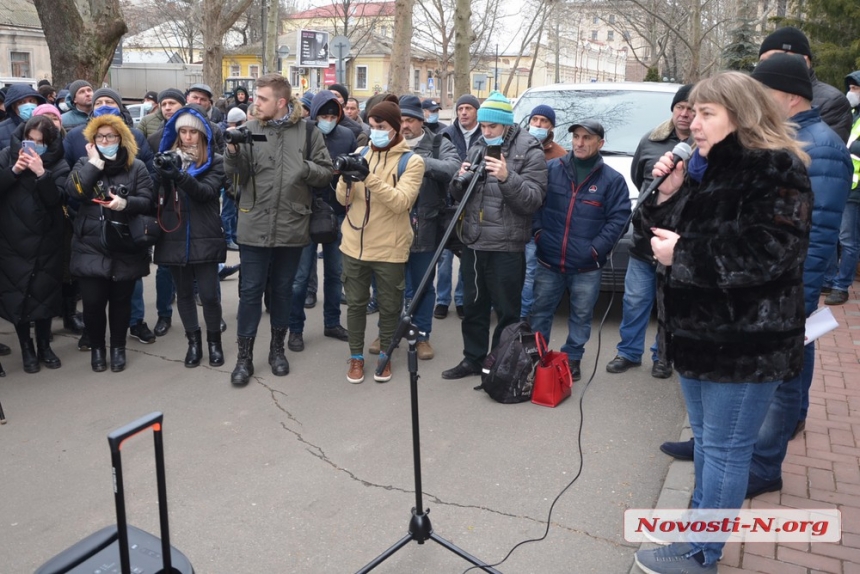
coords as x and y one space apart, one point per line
681 152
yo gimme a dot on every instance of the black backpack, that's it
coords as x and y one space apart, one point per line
509 370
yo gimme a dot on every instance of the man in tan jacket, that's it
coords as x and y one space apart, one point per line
377 233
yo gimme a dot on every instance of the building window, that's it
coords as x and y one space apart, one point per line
235 70
361 77
21 64
417 80
610 35
594 19
612 18
594 35
295 79
254 71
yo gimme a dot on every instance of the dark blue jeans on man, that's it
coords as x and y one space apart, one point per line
444 280
549 288
416 267
256 262
640 289
332 285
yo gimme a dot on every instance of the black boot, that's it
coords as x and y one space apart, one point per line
98 359
277 360
117 359
195 349
46 355
244 362
216 353
28 354
72 320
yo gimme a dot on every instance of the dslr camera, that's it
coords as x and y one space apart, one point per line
166 159
119 191
349 162
461 182
242 135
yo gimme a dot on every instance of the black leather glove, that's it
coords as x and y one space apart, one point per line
168 171
360 172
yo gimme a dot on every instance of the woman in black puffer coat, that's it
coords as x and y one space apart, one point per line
107 278
189 179
31 228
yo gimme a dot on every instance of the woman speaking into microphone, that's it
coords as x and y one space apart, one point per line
730 232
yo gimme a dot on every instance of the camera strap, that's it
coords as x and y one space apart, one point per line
366 206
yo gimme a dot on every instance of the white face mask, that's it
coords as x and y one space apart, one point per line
853 98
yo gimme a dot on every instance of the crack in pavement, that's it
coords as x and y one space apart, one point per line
319 453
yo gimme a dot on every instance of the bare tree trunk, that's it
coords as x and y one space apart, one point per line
82 39
462 42
401 49
218 17
273 28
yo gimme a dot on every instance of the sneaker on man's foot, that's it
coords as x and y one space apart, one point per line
757 486
680 450
355 374
162 326
336 332
461 371
575 370
84 343
440 311
425 350
620 364
374 347
661 370
227 271
372 307
295 342
836 297
460 312
310 300
231 246
386 372
142 333
677 558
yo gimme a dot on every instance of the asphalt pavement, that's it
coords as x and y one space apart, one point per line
310 474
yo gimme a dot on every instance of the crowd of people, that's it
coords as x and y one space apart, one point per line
735 246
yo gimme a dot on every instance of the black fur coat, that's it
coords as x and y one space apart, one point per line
731 304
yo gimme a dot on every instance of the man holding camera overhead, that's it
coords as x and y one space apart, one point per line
496 226
270 161
378 189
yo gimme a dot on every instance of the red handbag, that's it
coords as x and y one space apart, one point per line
553 381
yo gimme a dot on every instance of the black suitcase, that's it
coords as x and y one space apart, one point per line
124 549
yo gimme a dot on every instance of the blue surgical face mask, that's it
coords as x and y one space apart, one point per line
25 111
105 110
41 148
539 133
432 118
147 106
326 126
108 150
494 141
380 138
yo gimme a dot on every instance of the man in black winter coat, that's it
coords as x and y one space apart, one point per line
21 100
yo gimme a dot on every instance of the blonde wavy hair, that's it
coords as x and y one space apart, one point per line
760 123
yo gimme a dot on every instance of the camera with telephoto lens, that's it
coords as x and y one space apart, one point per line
167 158
348 162
461 182
237 136
119 191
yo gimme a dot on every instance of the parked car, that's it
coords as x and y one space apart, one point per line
137 113
627 111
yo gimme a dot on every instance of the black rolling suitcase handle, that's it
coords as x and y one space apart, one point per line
115 440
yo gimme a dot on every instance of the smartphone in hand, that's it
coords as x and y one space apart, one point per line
494 151
28 145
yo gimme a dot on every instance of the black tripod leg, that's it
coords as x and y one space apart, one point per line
2 416
462 553
387 554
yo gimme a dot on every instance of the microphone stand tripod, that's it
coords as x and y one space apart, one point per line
420 529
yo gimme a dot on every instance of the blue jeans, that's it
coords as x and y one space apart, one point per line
138 308
725 418
444 271
841 273
332 285
640 288
584 289
416 267
229 217
528 287
781 420
284 262
164 290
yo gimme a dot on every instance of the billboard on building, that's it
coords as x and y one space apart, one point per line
313 49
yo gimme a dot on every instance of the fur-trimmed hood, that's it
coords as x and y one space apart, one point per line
127 140
662 132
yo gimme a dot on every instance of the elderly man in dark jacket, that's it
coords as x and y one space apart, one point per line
496 227
440 164
831 103
21 100
640 281
326 111
274 214
587 205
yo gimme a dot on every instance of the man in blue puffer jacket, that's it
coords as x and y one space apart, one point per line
587 204
830 174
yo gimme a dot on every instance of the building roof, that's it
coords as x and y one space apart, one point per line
356 9
21 13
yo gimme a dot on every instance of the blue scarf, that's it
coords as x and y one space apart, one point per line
697 166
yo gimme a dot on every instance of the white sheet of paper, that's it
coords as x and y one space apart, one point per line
820 322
